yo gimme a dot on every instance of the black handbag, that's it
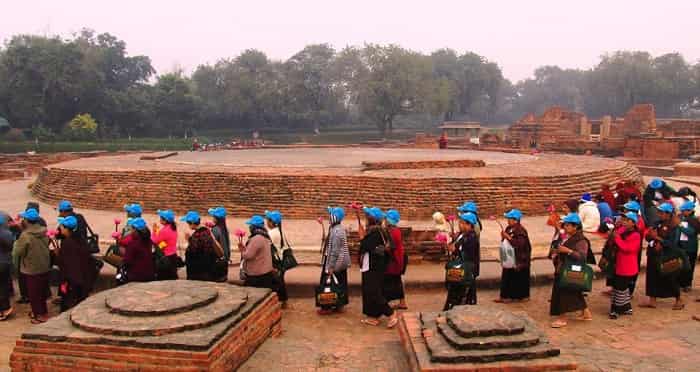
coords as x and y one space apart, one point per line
288 260
93 241
329 293
673 262
221 269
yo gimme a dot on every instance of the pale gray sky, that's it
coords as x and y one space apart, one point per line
519 35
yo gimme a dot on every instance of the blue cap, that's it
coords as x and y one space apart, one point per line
469 217
374 213
393 217
167 215
666 208
65 206
656 183
256 221
137 223
586 197
687 206
469 206
514 214
191 217
632 206
572 218
274 216
632 216
2 219
134 210
70 222
31 215
218 212
337 212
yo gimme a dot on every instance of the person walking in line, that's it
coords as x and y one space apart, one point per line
606 214
202 250
374 253
396 267
515 282
627 240
655 194
21 280
221 235
636 208
472 207
337 257
31 250
6 241
464 249
274 230
137 252
65 209
575 248
588 212
74 261
662 237
164 237
257 256
688 241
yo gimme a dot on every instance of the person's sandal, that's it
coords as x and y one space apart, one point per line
559 324
678 306
393 321
584 318
370 322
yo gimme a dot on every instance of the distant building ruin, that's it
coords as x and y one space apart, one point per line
639 134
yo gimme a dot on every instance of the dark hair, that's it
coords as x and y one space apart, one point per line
281 235
33 205
144 235
172 224
221 223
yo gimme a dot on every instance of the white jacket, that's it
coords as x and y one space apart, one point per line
590 217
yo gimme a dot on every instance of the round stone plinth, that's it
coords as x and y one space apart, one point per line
163 298
187 299
484 322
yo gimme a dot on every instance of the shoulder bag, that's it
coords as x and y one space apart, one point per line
575 275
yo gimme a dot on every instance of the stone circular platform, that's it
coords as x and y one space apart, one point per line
303 181
164 298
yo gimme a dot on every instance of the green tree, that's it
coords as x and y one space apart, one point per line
175 107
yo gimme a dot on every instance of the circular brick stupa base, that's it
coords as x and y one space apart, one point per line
168 325
470 338
303 181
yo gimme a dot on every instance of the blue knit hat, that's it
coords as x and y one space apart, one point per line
514 214
632 206
217 212
167 215
393 217
336 212
666 208
65 206
687 206
191 217
469 206
631 216
572 218
656 183
31 215
586 197
374 213
274 216
468 217
256 221
133 210
137 223
70 222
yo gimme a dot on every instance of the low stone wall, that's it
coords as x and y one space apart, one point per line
368 166
687 169
306 195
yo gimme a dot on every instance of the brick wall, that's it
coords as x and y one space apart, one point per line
380 165
306 196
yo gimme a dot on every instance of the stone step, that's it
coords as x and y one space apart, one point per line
530 337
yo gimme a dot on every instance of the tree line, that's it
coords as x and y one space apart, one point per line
46 82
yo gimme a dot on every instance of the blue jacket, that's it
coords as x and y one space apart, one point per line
605 211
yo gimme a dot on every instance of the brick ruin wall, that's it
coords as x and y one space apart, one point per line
427 164
306 196
17 165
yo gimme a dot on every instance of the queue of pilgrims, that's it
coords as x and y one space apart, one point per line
661 216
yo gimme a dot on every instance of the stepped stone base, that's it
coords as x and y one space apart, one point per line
478 339
158 326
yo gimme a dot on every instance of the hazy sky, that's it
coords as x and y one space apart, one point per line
519 35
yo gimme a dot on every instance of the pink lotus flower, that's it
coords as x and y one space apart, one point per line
117 221
209 224
240 233
356 205
320 220
493 218
551 208
51 234
116 235
441 238
451 218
